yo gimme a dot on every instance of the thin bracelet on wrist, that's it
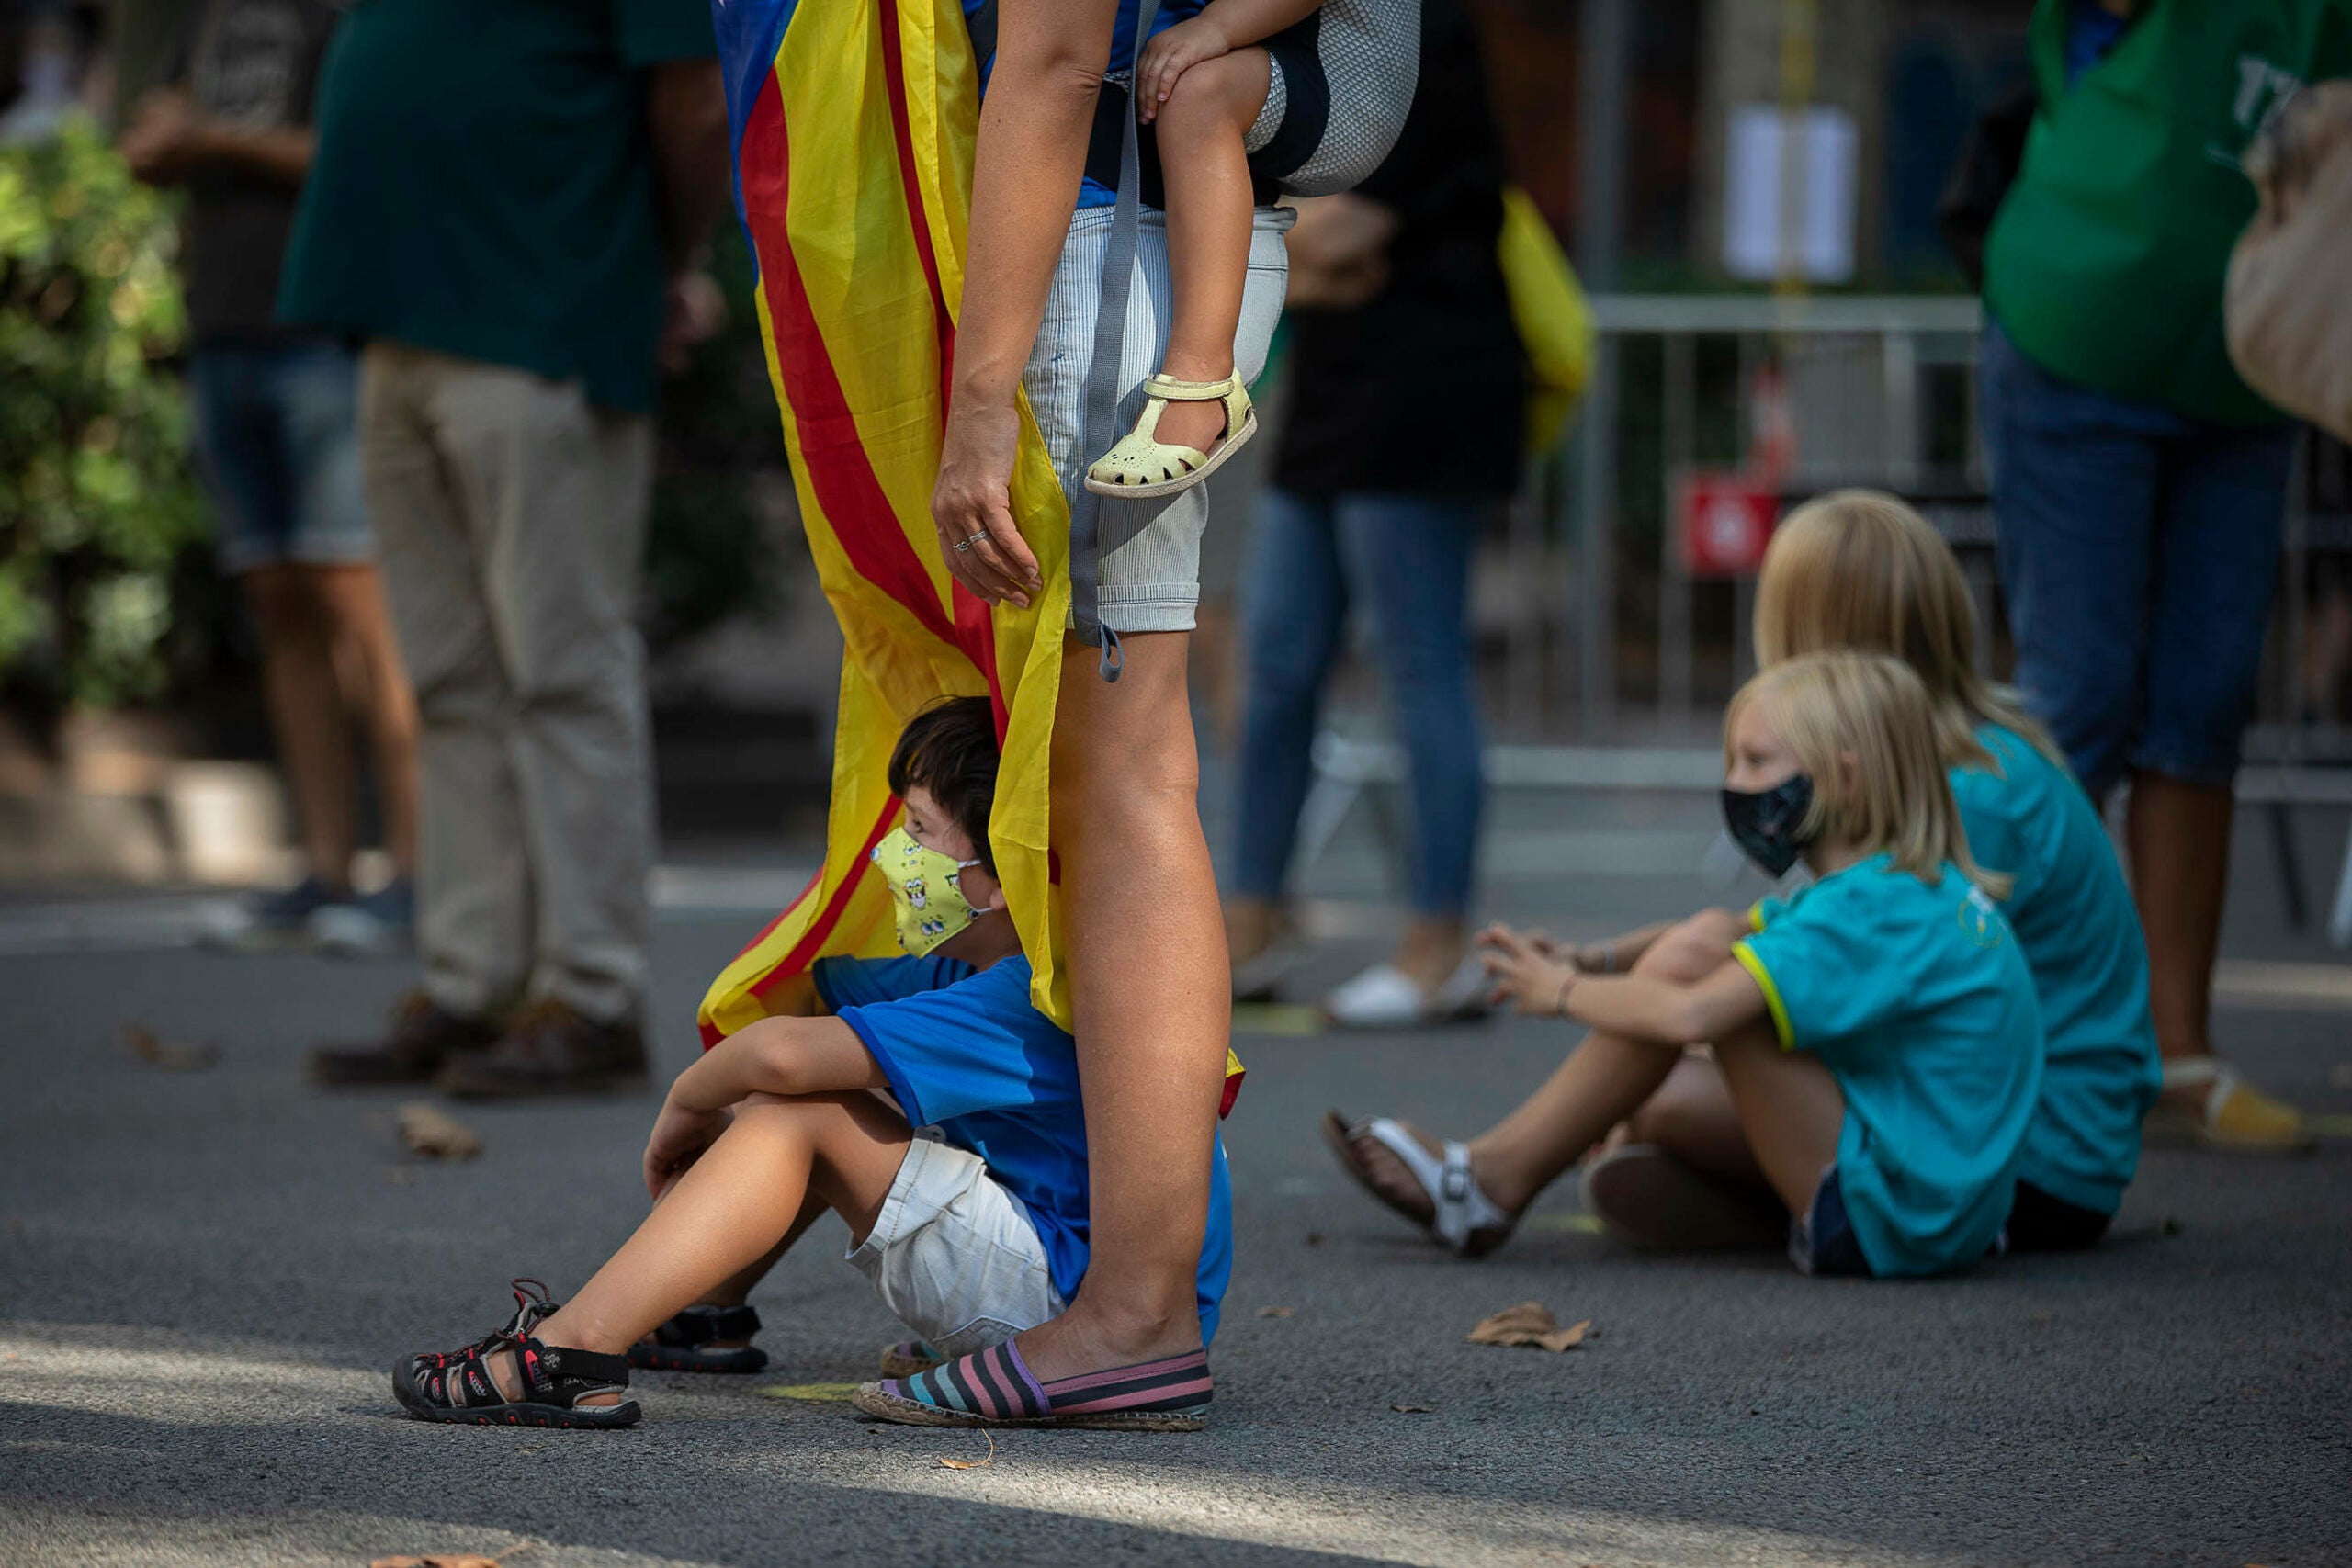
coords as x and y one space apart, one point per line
1560 1002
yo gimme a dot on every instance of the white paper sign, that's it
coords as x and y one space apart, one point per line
1789 196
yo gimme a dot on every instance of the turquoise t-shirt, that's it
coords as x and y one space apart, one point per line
1918 999
2073 915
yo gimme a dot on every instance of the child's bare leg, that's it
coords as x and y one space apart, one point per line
1201 129
734 1291
1692 1117
727 1210
1790 1108
1604 1082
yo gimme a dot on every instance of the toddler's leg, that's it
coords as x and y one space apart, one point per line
729 1208
1201 129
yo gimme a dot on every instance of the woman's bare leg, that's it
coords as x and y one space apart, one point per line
1152 1019
378 692
1201 127
293 615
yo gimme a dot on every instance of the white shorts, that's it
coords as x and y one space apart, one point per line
954 1254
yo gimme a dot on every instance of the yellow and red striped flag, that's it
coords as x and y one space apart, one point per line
854 127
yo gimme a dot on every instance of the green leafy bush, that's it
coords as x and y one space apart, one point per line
97 498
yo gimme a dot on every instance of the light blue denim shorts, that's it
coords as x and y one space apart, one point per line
1150 573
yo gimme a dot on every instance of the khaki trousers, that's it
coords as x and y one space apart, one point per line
511 517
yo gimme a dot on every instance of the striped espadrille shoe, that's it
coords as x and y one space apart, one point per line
995 1388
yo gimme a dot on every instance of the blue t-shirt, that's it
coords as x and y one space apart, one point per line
2073 915
2091 31
1093 193
966 1051
1916 998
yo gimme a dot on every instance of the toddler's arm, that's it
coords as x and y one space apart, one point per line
1222 26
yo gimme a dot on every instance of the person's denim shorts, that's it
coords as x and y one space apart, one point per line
2139 550
1821 1240
1149 579
277 440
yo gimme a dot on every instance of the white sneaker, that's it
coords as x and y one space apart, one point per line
1384 996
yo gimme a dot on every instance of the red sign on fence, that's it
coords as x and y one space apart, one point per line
1723 519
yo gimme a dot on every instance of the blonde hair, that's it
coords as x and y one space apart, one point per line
1860 568
1872 710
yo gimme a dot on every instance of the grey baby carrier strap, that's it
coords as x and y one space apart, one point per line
1101 418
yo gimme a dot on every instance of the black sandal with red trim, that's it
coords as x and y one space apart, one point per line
458 1385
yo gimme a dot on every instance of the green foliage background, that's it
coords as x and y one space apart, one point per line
98 501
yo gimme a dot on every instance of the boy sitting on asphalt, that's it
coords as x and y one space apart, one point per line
969 1237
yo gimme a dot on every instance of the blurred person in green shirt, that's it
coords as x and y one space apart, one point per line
2139 485
507 207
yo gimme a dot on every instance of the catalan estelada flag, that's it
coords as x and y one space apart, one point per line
854 127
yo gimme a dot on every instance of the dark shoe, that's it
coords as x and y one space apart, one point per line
459 1385
269 921
689 1342
423 1039
1651 1201
551 1048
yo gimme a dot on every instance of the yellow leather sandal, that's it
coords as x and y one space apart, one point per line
1142 467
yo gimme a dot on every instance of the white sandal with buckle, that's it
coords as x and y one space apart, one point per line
1462 1218
1143 467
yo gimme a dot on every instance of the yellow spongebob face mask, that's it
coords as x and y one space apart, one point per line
926 888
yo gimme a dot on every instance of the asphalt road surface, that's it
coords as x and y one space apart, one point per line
205 1274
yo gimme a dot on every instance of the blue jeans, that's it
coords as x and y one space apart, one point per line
278 443
2138 549
1408 558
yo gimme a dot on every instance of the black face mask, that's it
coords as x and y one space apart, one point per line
1766 823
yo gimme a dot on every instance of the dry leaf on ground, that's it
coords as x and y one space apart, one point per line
1275 1312
1411 1409
433 1132
973 1463
169 1054
1529 1323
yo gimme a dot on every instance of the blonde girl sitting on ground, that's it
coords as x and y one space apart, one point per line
1877 1032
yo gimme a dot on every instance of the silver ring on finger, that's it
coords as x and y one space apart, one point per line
964 545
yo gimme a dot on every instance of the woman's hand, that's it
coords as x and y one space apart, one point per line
680 1136
971 506
1537 985
1339 252
1171 54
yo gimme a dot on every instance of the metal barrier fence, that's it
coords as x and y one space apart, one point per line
1875 391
